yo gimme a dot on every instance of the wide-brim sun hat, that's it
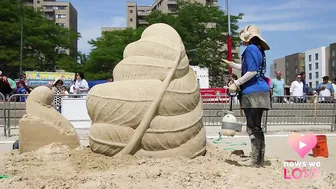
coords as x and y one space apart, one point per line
251 31
58 79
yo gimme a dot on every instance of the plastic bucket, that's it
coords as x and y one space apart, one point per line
321 148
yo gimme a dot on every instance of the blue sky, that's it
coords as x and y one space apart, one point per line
289 26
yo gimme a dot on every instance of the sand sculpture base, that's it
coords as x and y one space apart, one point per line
35 132
153 108
43 125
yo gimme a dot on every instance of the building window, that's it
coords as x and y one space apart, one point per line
296 62
316 83
333 62
309 57
334 72
310 84
131 11
131 19
296 70
316 56
310 67
61 24
48 7
61 16
316 66
275 66
310 75
60 7
286 64
316 75
333 52
38 2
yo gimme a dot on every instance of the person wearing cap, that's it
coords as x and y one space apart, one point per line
254 90
22 83
57 88
325 90
278 88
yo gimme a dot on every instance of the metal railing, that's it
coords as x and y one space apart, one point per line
3 113
15 108
286 111
305 110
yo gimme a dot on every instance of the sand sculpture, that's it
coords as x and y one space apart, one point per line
153 108
42 124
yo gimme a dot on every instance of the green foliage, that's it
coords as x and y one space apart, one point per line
41 39
203 29
108 52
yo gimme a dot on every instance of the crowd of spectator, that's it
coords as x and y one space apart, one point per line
8 87
299 91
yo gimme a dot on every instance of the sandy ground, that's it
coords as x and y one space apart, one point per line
56 166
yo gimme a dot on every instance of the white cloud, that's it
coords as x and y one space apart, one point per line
92 30
323 37
289 26
304 4
291 15
269 17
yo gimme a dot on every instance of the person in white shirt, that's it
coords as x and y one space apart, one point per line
73 88
81 85
296 90
325 90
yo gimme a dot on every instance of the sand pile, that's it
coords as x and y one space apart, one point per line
56 166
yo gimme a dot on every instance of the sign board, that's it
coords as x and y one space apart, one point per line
219 95
214 92
202 75
35 78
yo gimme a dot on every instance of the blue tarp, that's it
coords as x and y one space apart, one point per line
96 82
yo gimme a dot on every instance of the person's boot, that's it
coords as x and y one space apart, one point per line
253 161
262 156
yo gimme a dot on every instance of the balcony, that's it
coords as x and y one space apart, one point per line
172 2
143 13
142 22
48 9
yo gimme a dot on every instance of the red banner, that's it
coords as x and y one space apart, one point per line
213 92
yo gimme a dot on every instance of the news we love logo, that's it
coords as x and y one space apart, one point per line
302 145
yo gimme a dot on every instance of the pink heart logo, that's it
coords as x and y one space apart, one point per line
302 144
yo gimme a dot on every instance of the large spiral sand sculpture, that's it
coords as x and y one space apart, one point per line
153 108
42 124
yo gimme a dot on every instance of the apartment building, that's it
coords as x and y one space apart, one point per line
332 60
316 65
294 64
62 13
136 15
278 65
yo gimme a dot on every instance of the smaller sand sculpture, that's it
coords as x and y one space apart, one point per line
153 108
42 124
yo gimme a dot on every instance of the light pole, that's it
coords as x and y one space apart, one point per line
21 40
229 42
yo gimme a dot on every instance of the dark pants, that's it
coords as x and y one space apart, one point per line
299 100
60 109
256 134
278 99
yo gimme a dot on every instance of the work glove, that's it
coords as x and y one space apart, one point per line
233 88
228 62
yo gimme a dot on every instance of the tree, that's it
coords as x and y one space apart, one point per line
42 40
203 29
108 51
